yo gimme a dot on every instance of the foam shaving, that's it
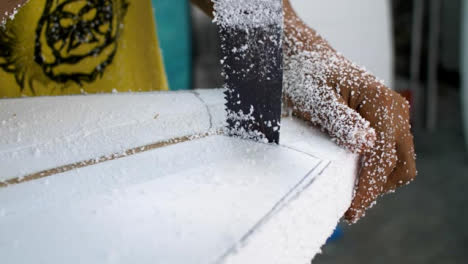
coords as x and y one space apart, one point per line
251 45
239 129
305 84
317 81
246 13
306 87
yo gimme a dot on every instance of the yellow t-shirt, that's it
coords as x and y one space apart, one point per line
59 47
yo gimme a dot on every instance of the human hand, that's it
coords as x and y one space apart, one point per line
351 105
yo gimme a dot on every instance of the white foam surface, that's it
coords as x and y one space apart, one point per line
211 200
48 132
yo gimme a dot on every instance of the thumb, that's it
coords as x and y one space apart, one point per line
322 107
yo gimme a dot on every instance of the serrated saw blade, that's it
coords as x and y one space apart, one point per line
251 34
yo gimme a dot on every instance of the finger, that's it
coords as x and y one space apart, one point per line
405 171
346 127
310 84
372 179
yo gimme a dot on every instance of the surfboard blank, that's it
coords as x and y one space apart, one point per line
215 199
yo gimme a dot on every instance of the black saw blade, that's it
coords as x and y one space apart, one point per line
253 71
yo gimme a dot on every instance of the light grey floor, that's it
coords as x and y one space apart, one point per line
425 222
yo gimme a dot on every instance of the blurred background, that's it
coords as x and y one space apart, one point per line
420 49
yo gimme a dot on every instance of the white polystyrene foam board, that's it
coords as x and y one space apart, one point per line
48 132
214 199
191 201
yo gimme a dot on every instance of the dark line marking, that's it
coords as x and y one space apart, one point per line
300 151
197 95
305 187
284 201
